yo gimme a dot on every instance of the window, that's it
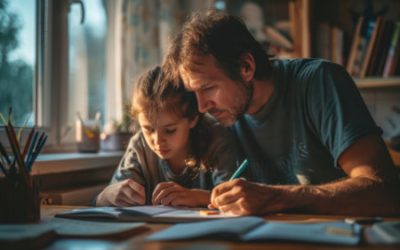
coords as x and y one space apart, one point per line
17 59
52 65
87 60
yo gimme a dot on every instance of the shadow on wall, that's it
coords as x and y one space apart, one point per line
384 106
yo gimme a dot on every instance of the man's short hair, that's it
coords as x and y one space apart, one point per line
221 35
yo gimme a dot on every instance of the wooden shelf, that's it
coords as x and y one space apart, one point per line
377 82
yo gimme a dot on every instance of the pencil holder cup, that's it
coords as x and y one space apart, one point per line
87 136
20 203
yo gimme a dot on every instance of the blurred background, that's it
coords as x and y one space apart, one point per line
64 57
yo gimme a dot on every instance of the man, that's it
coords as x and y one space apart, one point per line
302 124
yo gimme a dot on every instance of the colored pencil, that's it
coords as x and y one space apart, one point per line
28 142
16 150
4 153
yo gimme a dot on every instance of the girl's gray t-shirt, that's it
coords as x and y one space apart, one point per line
141 164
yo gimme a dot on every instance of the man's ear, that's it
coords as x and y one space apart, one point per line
248 67
193 121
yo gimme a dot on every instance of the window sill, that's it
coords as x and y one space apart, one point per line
67 162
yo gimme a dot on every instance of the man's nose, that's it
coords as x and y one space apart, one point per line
202 103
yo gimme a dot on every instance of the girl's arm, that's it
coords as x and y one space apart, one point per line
122 194
127 184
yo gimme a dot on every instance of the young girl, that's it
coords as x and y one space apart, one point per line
178 155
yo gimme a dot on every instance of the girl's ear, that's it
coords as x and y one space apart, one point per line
248 67
193 122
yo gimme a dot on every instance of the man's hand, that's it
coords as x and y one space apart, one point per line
371 182
240 197
172 194
122 194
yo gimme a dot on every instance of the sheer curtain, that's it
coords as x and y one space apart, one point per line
140 32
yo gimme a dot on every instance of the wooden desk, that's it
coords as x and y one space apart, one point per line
137 242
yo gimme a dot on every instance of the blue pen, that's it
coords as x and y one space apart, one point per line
240 170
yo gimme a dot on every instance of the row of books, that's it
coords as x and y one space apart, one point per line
374 51
329 43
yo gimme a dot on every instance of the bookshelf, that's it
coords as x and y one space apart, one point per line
338 30
363 36
282 25
335 30
378 82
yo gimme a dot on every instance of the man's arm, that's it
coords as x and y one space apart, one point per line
370 189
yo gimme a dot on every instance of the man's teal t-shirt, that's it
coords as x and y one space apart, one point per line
315 113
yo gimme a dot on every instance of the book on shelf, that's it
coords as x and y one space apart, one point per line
377 48
38 236
383 48
159 214
395 64
397 70
337 45
324 41
354 46
365 34
390 66
371 44
257 229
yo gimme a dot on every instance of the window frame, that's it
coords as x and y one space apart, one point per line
52 70
50 79
50 74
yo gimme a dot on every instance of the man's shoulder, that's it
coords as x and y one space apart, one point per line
304 64
310 72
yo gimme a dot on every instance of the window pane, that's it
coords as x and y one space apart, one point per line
17 59
87 60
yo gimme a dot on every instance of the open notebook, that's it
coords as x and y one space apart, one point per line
159 214
257 229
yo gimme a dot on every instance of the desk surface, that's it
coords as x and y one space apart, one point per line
137 242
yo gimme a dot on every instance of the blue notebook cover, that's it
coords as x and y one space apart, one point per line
257 229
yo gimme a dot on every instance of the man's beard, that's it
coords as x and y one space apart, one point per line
249 88
230 117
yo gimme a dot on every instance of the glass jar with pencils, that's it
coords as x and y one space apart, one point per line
19 195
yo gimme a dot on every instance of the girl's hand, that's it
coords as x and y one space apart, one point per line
172 194
122 194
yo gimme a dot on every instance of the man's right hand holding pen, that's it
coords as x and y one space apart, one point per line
240 197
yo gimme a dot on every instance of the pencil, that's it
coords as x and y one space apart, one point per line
27 143
3 169
4 153
31 148
16 150
38 149
209 212
240 170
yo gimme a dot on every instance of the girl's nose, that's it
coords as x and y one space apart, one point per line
157 138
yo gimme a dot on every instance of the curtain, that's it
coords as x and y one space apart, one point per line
147 27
